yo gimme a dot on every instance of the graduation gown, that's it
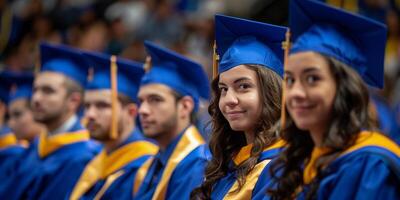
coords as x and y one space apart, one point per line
50 167
257 180
9 152
111 176
176 171
370 169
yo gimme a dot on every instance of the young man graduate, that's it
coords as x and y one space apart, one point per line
51 166
169 95
110 175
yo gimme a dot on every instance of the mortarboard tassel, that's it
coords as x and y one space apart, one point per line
114 98
286 47
147 64
215 61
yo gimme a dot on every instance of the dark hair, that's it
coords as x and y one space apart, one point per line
349 116
225 143
124 99
177 96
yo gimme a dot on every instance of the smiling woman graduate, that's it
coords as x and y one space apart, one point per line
244 109
333 151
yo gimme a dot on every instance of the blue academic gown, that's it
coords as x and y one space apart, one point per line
48 169
9 152
135 150
386 118
187 174
368 170
257 180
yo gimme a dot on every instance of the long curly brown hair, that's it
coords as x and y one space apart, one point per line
225 143
350 115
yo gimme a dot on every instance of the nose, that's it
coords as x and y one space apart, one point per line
230 98
295 92
90 112
36 97
144 109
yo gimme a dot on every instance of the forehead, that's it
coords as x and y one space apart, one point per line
19 103
236 73
298 62
49 78
98 95
155 89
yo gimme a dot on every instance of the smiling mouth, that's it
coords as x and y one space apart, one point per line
235 114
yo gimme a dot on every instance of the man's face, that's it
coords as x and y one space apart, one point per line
49 99
98 114
157 110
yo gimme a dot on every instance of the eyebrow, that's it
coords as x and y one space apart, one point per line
236 81
307 70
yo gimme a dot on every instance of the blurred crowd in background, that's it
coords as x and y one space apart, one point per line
119 27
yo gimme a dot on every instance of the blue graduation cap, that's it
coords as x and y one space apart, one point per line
241 41
352 39
128 76
21 85
65 60
177 72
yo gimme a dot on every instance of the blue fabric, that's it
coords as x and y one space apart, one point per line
65 60
352 39
121 188
128 76
386 118
188 174
367 173
182 75
21 85
51 177
252 43
222 187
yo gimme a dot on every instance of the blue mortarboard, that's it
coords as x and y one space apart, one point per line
65 60
128 76
5 86
21 85
241 41
177 72
352 39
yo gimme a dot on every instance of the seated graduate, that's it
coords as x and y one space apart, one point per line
333 150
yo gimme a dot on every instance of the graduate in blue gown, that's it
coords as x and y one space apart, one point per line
53 163
20 116
333 150
169 96
9 147
111 174
246 105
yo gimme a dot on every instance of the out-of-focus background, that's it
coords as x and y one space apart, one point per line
120 27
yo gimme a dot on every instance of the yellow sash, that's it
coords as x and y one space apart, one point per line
364 139
251 179
8 140
190 140
105 166
48 145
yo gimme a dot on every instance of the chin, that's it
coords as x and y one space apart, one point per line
238 126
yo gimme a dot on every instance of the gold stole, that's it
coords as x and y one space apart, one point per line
190 140
7 140
251 179
108 167
364 139
48 145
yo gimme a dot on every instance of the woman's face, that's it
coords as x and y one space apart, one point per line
240 98
310 91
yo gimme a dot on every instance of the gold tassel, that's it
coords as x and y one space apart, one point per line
215 61
114 98
147 64
286 47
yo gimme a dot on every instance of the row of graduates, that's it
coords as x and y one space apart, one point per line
310 136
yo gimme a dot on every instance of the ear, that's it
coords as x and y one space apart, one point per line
187 105
75 100
132 109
